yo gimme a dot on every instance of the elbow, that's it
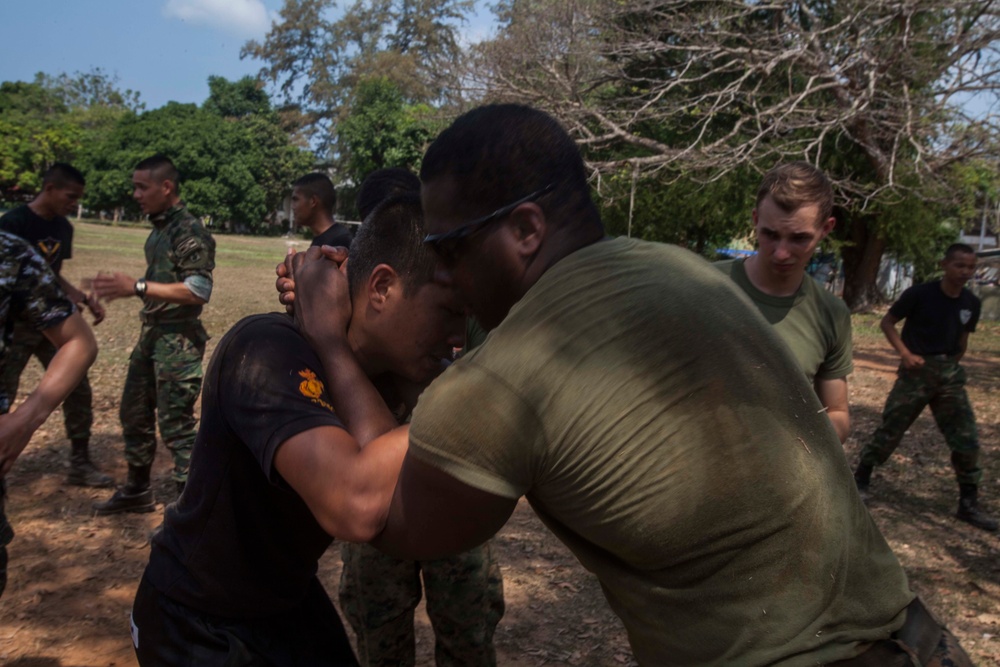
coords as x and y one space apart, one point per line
357 520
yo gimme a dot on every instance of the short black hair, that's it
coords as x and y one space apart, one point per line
320 186
957 248
392 234
500 153
161 168
60 174
382 184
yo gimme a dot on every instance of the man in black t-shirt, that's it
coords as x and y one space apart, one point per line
43 224
939 316
314 200
274 473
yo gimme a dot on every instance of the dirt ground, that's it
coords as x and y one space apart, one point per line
73 575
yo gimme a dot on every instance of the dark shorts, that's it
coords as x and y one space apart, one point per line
166 633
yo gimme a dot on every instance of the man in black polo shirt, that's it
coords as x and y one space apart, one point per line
43 224
314 200
939 316
274 472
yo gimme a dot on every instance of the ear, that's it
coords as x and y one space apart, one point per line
383 285
827 227
168 184
529 226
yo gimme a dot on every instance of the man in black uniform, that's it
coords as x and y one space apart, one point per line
275 474
43 224
313 202
939 316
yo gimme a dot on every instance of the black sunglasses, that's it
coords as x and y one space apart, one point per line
445 243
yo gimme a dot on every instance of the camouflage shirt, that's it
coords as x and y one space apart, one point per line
179 248
29 288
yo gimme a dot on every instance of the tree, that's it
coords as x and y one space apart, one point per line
34 133
234 168
55 118
317 60
874 91
381 130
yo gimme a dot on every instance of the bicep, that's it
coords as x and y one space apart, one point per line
434 514
347 488
833 394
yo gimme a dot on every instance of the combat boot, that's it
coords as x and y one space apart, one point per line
135 496
82 471
968 508
863 477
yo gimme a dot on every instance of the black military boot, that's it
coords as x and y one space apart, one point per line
82 471
135 496
968 508
863 477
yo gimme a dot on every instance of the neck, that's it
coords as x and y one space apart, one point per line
42 208
320 224
364 349
769 284
951 289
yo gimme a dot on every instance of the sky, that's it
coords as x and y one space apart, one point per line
164 49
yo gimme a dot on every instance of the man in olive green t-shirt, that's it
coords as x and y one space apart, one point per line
650 415
792 216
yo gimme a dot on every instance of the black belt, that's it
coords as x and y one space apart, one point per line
917 639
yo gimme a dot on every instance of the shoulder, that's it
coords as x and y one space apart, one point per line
969 299
830 302
261 329
13 219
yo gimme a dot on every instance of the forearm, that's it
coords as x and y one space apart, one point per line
888 327
75 295
841 420
76 351
178 293
354 397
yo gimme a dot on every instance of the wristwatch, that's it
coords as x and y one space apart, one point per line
140 288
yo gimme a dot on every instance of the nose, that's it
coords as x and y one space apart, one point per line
781 251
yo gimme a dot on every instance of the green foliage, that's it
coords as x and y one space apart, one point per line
678 208
233 169
35 131
236 99
383 131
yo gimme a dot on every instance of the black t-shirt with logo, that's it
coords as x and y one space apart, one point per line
934 321
52 239
240 542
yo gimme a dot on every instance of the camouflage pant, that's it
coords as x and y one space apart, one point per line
378 594
78 414
162 385
941 384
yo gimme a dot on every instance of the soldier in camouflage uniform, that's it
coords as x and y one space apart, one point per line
43 224
165 372
29 289
939 316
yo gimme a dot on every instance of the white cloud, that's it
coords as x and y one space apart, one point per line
247 18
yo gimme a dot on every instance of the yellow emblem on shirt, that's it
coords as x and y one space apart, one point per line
312 388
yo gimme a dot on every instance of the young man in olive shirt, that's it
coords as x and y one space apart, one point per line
791 218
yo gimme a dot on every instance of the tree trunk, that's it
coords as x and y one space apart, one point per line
862 257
